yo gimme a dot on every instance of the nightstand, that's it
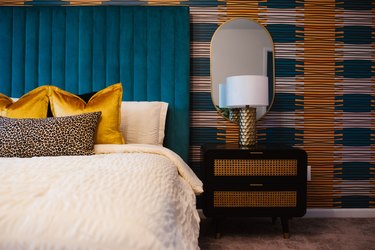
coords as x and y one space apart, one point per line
263 180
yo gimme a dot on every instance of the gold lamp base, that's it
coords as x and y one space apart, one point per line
247 126
234 115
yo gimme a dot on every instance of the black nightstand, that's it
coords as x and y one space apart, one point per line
264 180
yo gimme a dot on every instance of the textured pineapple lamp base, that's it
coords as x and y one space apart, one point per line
247 126
234 115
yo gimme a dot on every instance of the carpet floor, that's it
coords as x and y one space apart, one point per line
305 233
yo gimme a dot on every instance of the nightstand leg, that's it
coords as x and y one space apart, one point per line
274 219
217 224
285 225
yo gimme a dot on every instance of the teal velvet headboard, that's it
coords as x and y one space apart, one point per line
84 49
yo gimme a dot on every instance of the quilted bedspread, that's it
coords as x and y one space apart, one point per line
124 197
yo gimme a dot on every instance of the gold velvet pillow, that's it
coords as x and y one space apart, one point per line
31 105
107 101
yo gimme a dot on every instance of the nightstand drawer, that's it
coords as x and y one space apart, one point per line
251 199
255 167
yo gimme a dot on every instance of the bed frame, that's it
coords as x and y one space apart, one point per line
84 49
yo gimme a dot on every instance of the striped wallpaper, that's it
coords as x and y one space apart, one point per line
325 73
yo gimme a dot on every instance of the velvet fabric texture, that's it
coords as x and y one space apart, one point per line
31 105
86 48
106 101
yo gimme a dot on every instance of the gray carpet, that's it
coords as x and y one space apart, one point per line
305 233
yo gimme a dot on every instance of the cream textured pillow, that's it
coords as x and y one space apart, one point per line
143 122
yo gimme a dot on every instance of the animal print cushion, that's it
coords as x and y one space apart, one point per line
52 136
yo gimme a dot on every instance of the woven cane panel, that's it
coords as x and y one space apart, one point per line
255 199
255 167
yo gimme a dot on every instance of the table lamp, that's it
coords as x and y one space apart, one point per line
246 92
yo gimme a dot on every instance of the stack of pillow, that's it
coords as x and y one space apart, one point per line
76 125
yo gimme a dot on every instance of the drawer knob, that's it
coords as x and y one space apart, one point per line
256 153
256 185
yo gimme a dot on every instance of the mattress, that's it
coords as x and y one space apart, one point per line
123 197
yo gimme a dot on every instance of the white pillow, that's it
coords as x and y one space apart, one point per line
143 122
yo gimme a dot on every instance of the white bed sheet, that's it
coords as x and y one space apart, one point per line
140 197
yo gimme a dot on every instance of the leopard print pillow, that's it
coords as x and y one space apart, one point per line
52 136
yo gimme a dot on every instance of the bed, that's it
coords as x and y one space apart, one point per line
86 187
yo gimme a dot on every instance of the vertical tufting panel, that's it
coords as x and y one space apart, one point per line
86 48
6 40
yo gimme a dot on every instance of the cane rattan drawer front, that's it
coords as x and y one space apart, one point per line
251 199
255 167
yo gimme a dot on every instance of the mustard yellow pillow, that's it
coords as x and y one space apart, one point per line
31 105
108 101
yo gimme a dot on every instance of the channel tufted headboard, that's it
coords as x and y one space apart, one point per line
84 49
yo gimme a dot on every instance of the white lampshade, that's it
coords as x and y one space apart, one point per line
246 90
222 95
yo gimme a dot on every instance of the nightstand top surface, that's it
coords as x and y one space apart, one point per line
257 147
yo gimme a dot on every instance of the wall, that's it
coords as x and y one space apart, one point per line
324 102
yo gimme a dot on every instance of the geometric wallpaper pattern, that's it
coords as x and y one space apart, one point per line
325 76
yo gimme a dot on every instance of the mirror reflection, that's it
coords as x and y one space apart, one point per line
241 47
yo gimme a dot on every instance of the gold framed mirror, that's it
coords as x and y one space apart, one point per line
241 46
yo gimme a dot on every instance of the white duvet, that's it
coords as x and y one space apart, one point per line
140 197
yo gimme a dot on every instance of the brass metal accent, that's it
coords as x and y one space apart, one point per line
234 115
255 167
256 152
286 235
233 199
247 126
256 185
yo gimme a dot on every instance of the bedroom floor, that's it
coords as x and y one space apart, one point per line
305 233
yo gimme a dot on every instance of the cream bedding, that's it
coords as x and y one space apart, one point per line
140 197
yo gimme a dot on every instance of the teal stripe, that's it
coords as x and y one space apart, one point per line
354 136
126 51
355 68
356 34
354 170
354 102
200 66
202 101
281 4
45 46
85 50
286 102
71 51
354 201
284 33
112 46
5 50
201 136
287 67
286 136
18 55
140 56
99 50
32 49
203 3
58 48
153 55
355 5
202 32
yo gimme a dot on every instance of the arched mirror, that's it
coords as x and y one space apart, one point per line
241 46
